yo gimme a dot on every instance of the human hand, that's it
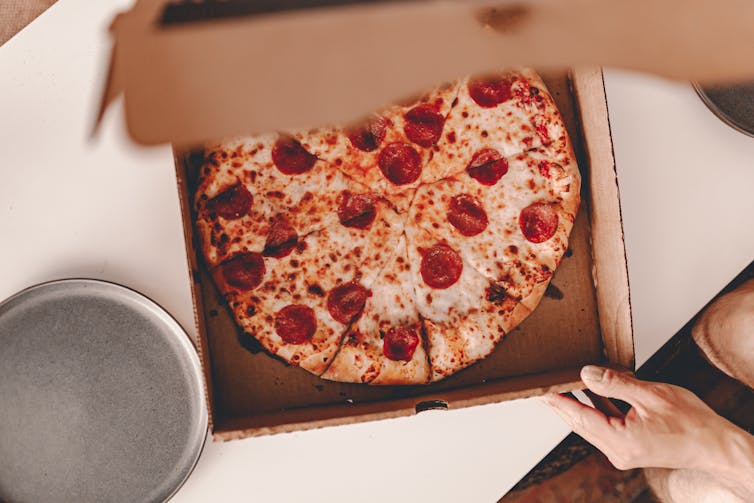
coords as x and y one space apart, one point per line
666 427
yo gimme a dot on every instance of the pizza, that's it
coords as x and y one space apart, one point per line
399 250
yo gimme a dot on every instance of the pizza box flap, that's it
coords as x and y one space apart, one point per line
194 71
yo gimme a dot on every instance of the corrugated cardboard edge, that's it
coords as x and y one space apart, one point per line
202 343
336 415
608 247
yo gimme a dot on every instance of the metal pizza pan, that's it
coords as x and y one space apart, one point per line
101 396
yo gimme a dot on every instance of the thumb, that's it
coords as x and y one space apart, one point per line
613 384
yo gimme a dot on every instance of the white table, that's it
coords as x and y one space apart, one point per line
106 209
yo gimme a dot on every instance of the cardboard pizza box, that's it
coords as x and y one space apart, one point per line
251 393
186 79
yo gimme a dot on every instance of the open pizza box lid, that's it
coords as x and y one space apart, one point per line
193 71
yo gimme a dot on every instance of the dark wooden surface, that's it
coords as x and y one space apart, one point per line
678 362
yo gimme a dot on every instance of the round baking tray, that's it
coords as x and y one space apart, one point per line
733 104
101 396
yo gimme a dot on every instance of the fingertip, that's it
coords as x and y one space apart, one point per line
593 374
558 401
612 383
554 400
554 397
548 399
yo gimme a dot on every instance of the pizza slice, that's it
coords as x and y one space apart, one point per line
508 218
260 194
464 314
507 113
295 330
385 344
298 302
313 187
388 151
232 213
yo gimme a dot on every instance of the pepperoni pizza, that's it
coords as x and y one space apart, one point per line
401 250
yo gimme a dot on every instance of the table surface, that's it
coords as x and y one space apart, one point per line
73 206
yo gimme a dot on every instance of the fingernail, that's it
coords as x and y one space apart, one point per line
592 373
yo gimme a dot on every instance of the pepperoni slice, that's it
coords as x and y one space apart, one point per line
296 324
290 157
400 344
489 92
466 214
356 210
424 125
369 136
544 168
244 271
231 204
538 222
281 239
346 302
487 166
400 163
441 267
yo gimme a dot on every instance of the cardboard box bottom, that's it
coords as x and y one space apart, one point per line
251 393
